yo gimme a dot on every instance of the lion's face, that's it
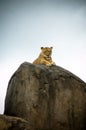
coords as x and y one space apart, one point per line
47 51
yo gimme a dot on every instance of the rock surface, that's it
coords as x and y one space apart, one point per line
50 98
14 123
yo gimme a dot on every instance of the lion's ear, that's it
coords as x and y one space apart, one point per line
41 48
51 47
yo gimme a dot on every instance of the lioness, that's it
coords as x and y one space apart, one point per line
45 57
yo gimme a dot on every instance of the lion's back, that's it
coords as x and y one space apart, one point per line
37 61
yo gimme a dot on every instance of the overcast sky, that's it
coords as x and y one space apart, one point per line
26 25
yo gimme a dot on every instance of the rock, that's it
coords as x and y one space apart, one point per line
50 98
14 123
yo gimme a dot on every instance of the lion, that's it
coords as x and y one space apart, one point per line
45 57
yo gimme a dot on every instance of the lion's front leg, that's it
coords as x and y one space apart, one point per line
53 63
44 62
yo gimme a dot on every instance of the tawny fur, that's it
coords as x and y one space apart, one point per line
45 57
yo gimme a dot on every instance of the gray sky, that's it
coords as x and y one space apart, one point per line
26 25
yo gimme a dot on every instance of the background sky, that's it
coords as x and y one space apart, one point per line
27 25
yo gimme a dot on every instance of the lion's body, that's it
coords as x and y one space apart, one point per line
45 57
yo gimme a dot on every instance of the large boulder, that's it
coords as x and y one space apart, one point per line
49 97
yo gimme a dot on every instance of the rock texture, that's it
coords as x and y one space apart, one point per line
14 123
50 98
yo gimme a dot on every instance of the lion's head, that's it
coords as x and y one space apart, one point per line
47 51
